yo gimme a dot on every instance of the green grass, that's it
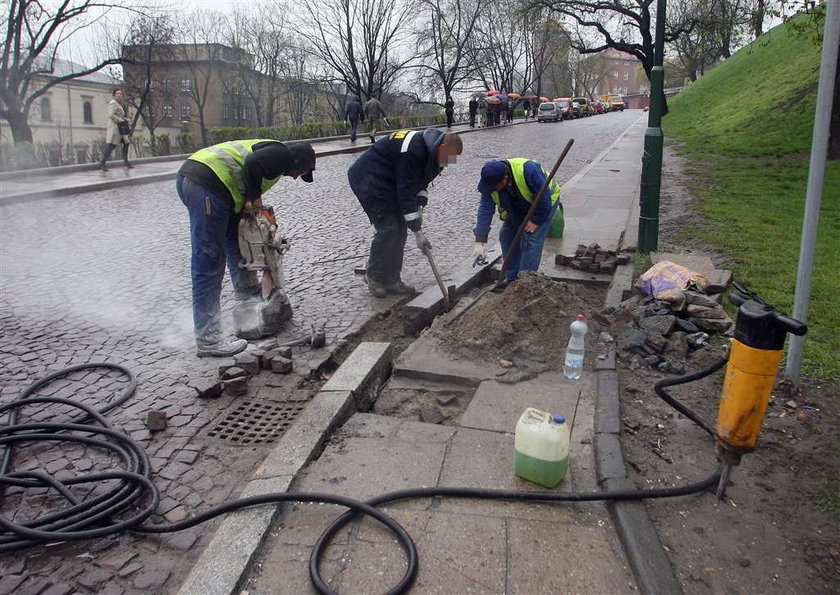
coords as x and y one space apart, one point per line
827 498
746 128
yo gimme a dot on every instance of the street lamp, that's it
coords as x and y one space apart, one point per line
652 158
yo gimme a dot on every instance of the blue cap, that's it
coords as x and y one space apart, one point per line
559 419
492 173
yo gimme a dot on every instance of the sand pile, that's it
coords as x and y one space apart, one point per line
530 319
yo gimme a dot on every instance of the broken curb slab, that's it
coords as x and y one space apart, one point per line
363 373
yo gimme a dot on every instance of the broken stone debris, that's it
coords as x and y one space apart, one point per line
236 387
207 389
593 258
663 334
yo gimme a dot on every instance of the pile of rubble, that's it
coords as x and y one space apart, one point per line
234 373
593 258
663 334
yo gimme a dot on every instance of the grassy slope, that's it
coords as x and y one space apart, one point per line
746 127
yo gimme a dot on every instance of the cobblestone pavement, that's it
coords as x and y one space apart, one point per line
104 276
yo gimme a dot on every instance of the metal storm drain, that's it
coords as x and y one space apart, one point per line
256 422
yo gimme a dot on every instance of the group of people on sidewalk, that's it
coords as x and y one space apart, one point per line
355 113
390 180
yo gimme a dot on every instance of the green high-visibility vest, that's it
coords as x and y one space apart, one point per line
517 168
227 160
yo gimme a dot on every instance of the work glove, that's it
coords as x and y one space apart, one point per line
282 242
480 254
422 241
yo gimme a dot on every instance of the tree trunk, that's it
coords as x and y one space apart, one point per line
21 132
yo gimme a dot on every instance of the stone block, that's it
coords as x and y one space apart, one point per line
225 366
281 365
248 362
659 324
362 373
285 352
233 372
156 421
236 387
207 389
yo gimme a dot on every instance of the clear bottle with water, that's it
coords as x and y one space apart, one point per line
574 352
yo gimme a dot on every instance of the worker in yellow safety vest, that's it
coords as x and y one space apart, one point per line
214 184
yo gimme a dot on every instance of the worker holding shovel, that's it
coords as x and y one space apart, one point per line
511 186
215 184
390 181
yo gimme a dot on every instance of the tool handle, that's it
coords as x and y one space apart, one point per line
744 295
534 204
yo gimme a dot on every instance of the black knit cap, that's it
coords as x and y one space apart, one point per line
303 159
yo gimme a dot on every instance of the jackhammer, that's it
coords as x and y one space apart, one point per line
751 371
262 249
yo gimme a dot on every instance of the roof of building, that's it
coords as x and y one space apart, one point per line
61 67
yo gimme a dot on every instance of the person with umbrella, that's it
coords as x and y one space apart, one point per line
473 107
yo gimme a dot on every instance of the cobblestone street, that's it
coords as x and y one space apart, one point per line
104 276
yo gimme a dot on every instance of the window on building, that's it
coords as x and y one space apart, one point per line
626 76
226 111
244 113
167 111
166 85
87 112
185 111
615 74
186 85
46 110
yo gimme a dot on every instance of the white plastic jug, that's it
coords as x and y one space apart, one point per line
542 447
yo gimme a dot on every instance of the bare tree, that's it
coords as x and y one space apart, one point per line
500 46
202 51
589 70
546 63
35 31
148 42
361 41
446 27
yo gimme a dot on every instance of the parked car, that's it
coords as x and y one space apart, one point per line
564 104
599 107
575 109
616 102
548 112
585 107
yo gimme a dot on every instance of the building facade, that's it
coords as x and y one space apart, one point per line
623 74
68 122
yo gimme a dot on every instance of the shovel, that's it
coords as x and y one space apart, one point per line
447 304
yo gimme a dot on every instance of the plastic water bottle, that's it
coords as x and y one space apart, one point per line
542 447
574 352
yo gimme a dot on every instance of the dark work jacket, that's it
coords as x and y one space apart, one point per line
391 177
353 111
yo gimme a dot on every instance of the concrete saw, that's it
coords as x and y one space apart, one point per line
262 249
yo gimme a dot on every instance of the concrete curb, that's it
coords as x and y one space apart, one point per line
647 557
226 558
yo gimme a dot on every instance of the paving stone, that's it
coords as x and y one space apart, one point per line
115 560
281 365
92 579
236 387
233 372
130 569
248 362
179 513
58 589
151 579
182 540
207 389
156 421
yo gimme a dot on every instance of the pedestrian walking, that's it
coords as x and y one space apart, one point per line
353 113
526 108
117 131
374 112
390 180
216 184
509 112
473 108
449 108
510 186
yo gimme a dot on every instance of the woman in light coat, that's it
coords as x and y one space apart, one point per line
116 115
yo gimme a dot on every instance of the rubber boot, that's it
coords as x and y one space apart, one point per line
125 156
108 149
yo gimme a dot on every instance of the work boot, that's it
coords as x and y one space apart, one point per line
400 288
376 288
224 348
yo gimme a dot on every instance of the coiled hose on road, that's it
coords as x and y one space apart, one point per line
135 495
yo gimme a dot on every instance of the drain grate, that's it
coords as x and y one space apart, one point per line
256 422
